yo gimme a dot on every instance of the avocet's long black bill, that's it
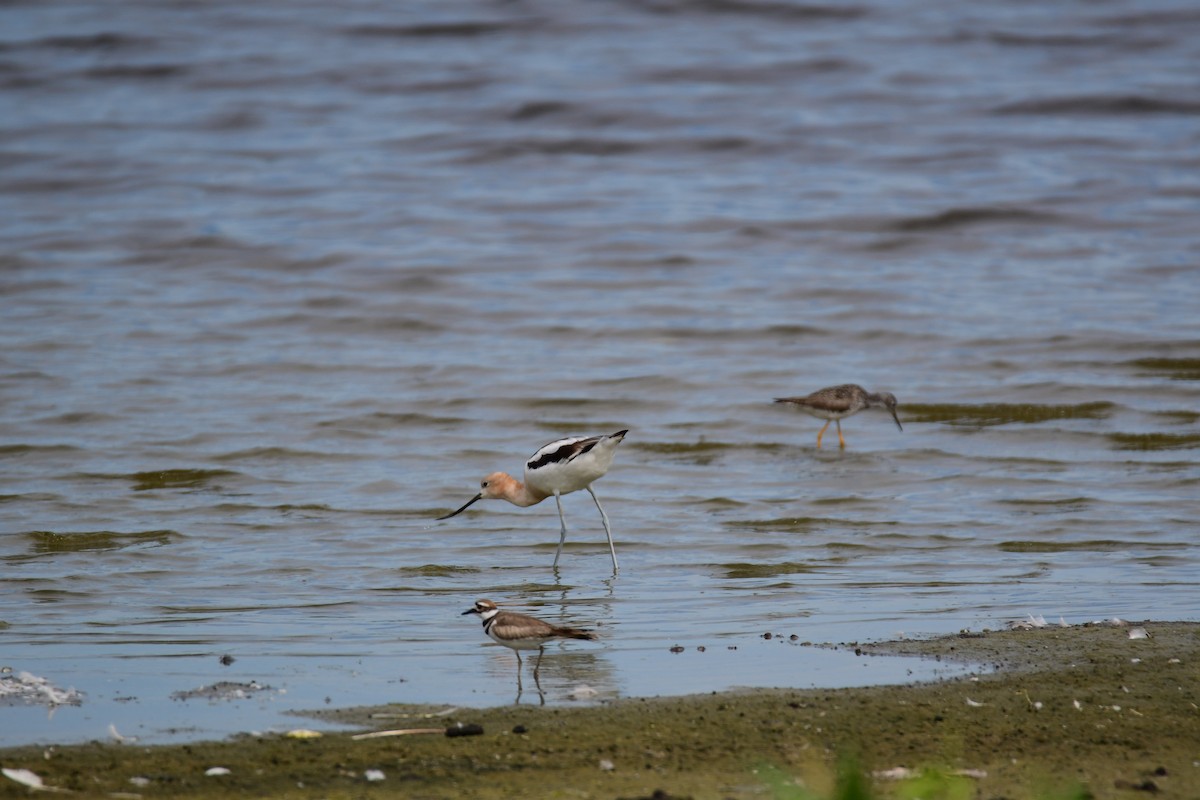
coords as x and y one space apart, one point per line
898 425
464 508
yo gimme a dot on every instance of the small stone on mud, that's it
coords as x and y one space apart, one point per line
459 729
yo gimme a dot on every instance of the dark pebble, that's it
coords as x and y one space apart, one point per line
470 729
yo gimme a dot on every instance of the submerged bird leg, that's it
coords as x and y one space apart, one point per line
562 536
841 439
607 530
822 432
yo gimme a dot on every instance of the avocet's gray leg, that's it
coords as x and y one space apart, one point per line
563 536
607 529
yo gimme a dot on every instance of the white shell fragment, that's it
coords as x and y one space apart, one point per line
374 775
24 777
904 773
116 735
25 687
1029 623
213 771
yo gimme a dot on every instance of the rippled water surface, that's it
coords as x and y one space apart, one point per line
280 282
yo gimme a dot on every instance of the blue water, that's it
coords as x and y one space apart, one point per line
329 267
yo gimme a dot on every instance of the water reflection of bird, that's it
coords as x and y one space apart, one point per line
834 403
521 632
558 468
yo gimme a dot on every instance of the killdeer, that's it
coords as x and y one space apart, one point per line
558 468
837 402
520 632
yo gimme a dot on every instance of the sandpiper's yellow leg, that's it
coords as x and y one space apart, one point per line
822 433
841 440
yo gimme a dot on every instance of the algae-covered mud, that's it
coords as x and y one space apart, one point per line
1098 711
985 414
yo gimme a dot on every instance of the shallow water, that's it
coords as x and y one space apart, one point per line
280 284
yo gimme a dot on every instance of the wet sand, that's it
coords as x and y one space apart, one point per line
1074 712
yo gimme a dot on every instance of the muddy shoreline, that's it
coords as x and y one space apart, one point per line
1084 711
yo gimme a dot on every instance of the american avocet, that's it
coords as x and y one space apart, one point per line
837 402
558 468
